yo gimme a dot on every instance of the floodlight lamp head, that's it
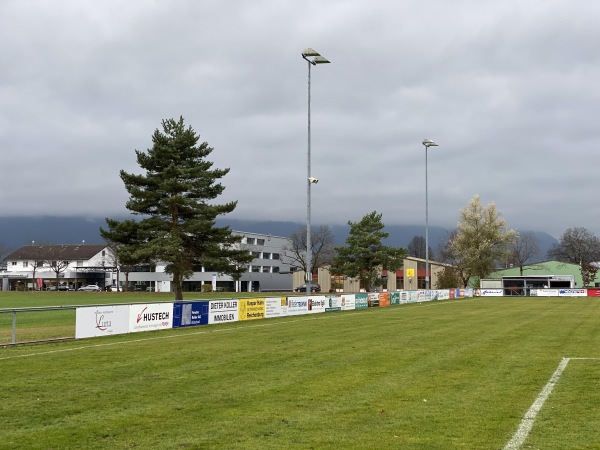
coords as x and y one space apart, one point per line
429 143
313 180
310 52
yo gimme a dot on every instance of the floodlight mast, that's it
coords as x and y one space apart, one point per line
313 58
427 143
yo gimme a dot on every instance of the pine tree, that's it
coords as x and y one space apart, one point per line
173 198
365 255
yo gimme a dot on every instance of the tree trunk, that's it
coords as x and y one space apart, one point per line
177 281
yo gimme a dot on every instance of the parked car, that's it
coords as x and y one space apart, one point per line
90 288
313 288
59 288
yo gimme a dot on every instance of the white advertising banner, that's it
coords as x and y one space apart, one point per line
544 292
151 316
334 303
440 294
572 292
223 311
348 302
275 307
492 292
101 321
297 305
317 304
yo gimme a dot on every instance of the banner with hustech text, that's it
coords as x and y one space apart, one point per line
150 316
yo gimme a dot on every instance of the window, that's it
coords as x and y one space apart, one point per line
275 255
13 263
256 255
260 242
275 269
25 263
266 255
251 241
255 269
266 269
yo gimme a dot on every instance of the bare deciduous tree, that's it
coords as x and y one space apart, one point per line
522 250
323 248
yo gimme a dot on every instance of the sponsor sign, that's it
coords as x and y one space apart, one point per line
544 292
223 311
334 303
384 299
593 292
394 298
275 307
572 292
297 306
317 304
492 292
252 308
373 299
189 314
442 294
101 321
347 302
151 316
361 301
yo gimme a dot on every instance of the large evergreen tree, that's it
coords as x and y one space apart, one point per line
365 256
172 197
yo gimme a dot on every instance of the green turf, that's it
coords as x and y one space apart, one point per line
443 375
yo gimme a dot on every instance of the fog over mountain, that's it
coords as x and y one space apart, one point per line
18 231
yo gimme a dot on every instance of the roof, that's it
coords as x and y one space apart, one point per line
66 252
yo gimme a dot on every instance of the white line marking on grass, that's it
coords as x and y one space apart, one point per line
528 420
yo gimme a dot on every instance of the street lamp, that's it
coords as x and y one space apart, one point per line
427 143
313 58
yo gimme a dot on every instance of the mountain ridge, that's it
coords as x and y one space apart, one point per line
18 231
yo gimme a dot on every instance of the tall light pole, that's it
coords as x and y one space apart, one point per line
313 58
427 143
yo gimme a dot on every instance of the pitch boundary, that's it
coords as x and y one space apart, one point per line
530 416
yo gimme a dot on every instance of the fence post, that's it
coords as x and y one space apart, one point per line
14 327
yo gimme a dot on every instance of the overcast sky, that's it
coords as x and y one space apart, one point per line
509 90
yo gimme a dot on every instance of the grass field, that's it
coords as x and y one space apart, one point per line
455 374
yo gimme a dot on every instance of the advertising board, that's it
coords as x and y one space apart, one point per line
275 307
492 292
223 311
348 302
150 316
384 299
361 301
572 292
297 306
334 303
93 321
252 308
189 314
316 304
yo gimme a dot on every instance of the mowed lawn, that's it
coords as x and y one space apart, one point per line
455 374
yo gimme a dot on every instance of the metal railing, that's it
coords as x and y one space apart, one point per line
36 324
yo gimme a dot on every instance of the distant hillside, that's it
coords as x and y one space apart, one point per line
18 231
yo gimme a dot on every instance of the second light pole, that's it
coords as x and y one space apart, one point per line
313 58
427 143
